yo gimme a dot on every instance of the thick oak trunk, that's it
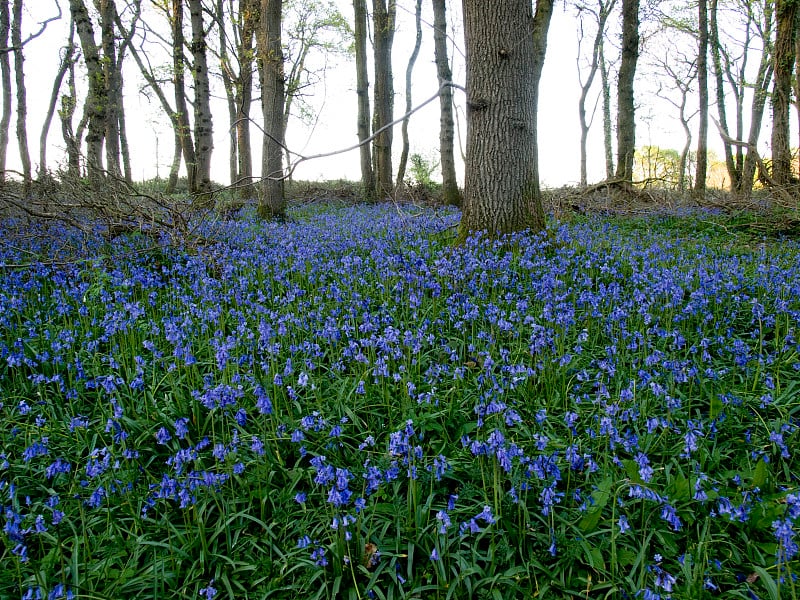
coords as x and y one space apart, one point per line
500 192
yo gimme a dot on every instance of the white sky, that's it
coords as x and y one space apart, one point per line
559 131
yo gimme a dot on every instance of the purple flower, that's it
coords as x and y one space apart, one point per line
163 436
208 592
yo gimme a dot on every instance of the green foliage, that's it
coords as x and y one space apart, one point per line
346 406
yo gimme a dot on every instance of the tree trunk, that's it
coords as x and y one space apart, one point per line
5 75
203 128
66 113
450 192
272 203
181 105
175 166
716 54
124 45
626 121
702 82
383 23
22 102
248 10
112 76
66 62
607 131
760 93
96 100
783 60
401 169
362 91
602 16
500 190
226 71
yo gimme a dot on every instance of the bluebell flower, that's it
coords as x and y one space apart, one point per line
209 591
163 436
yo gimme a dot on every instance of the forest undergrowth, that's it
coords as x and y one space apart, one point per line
347 405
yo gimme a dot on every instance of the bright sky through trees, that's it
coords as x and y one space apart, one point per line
334 98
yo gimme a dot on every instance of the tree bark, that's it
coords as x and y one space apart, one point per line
450 192
716 54
760 94
500 192
626 121
783 60
228 82
66 62
108 13
96 100
203 126
362 92
179 85
66 113
702 81
272 203
5 76
22 102
248 13
401 169
607 131
383 23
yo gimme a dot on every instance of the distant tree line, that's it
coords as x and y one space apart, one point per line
701 54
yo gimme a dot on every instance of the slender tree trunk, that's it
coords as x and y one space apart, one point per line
203 128
383 23
401 169
272 203
783 60
626 121
687 132
607 131
733 173
22 102
362 91
124 45
96 100
124 146
760 93
450 192
112 75
66 113
178 126
602 16
5 75
228 83
66 61
181 104
248 10
500 190
702 81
